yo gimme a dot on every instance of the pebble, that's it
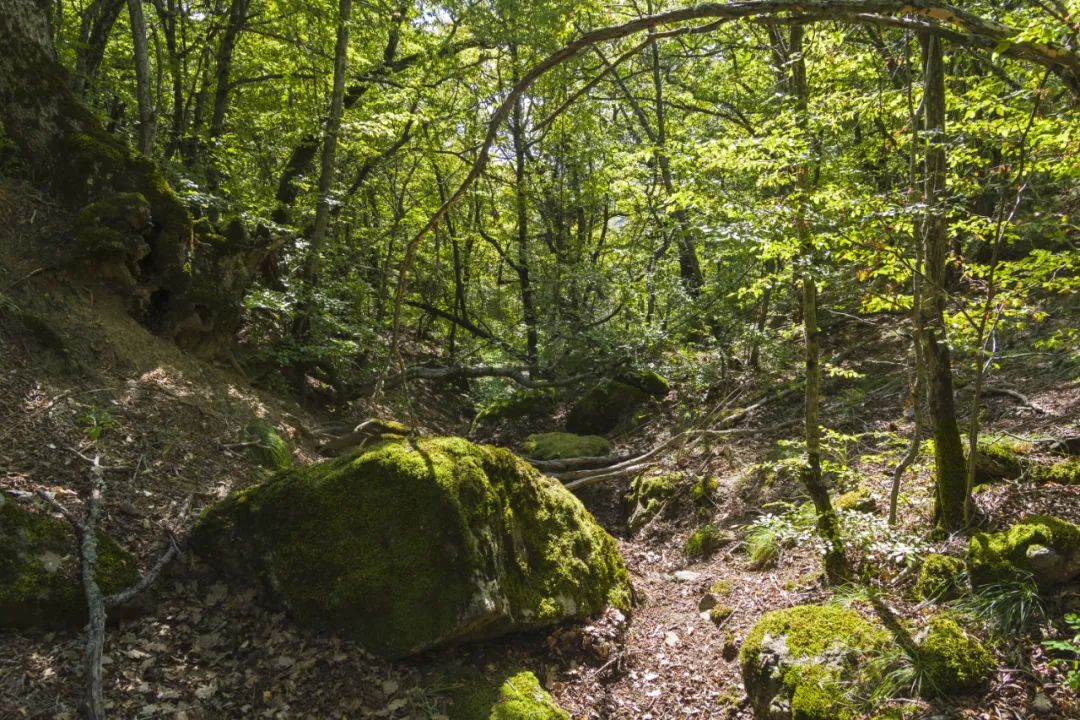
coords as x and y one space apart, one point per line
1042 704
687 576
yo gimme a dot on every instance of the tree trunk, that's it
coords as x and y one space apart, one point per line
96 26
528 299
950 482
327 165
836 566
142 76
238 10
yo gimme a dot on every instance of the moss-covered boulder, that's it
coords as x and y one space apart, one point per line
39 569
953 662
940 578
513 696
605 407
706 540
647 496
801 662
519 405
1066 472
411 545
560 446
857 500
648 381
267 447
998 459
1042 547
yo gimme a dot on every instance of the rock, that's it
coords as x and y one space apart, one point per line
953 663
40 581
1043 547
560 446
518 697
647 381
858 500
706 540
997 460
520 405
270 450
415 544
687 576
707 602
939 578
1066 472
799 662
1042 705
647 496
605 407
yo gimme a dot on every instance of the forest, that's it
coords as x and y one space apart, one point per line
540 360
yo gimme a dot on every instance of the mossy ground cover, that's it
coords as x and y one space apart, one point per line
560 446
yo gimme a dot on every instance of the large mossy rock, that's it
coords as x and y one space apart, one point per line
1041 547
412 545
611 404
518 696
800 662
940 578
561 446
997 460
40 582
1066 472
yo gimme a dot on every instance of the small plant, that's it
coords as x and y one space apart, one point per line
96 421
770 534
706 540
1070 648
1010 607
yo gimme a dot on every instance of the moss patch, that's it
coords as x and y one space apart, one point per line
271 451
559 446
39 571
806 656
1066 472
648 381
953 662
706 540
999 459
939 578
859 500
517 405
647 496
490 545
519 696
1043 547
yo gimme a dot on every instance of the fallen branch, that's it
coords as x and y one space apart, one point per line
1007 392
97 603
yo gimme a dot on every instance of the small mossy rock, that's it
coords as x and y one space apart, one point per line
858 500
411 545
647 495
270 449
605 407
518 405
799 662
1066 472
953 662
939 578
39 569
706 540
519 697
1042 547
997 460
560 446
648 381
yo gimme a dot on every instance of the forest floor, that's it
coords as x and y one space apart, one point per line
172 426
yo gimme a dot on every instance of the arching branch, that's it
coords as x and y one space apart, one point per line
968 28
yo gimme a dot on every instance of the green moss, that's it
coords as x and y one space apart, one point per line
475 696
859 500
952 662
558 446
489 545
1066 472
808 655
939 578
520 404
1008 555
648 493
704 489
721 587
648 381
706 540
999 459
604 408
39 573
720 613
272 451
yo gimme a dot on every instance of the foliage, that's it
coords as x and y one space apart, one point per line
1070 648
1010 607
96 421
